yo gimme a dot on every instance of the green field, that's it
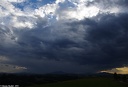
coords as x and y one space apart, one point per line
88 82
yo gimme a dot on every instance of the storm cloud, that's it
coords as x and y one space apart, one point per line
61 40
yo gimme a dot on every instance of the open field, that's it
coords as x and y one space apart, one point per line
88 82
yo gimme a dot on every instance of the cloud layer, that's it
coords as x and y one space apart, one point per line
68 35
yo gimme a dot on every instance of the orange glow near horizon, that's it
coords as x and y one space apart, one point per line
121 70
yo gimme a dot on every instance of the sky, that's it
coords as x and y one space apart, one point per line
73 36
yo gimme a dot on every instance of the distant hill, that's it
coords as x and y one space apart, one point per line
58 73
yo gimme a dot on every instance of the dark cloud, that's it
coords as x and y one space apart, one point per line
122 2
109 37
103 43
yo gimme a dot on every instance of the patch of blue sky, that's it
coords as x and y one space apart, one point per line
67 4
32 3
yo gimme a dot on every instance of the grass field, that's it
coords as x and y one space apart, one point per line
88 82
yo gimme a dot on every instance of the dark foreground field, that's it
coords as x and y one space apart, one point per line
88 82
64 80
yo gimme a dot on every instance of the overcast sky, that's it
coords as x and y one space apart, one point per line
75 36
